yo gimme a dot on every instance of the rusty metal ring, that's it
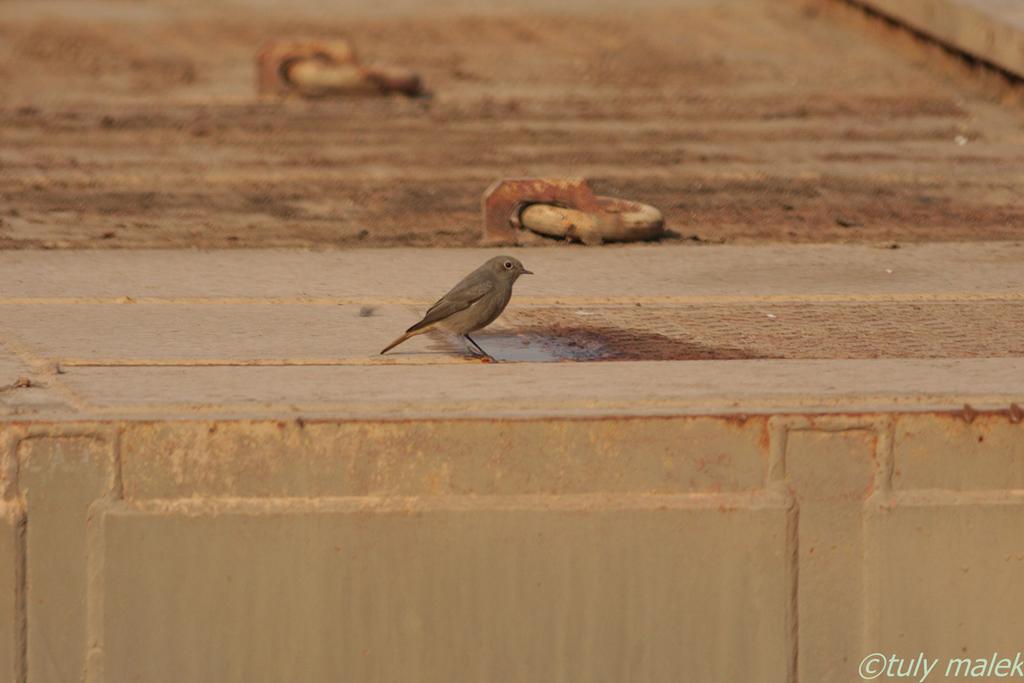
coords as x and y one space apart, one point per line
564 208
325 68
286 65
618 220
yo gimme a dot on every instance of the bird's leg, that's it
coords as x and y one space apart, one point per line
477 346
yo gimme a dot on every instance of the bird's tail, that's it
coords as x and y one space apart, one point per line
404 337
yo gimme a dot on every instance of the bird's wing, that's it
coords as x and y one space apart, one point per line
462 296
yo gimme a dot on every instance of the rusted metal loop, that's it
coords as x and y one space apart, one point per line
325 68
504 201
284 70
618 220
516 219
516 209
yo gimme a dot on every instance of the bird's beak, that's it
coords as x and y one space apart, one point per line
527 272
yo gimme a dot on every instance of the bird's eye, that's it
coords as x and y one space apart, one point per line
508 265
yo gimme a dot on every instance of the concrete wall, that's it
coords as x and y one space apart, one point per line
778 548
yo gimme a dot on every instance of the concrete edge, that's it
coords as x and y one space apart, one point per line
989 30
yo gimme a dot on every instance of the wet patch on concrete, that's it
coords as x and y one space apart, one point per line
598 343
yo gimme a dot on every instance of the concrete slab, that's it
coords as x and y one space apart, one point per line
536 390
921 530
520 546
574 274
502 586
439 457
734 329
263 334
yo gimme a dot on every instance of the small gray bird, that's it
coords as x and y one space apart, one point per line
473 304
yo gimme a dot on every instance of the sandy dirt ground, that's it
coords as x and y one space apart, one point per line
136 124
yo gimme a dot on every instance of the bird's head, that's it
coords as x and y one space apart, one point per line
508 267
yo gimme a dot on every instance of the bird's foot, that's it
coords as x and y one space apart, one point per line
481 356
477 351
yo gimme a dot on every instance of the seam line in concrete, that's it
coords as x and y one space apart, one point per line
265 362
711 405
947 497
528 301
697 500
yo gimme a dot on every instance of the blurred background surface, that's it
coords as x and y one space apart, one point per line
138 124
